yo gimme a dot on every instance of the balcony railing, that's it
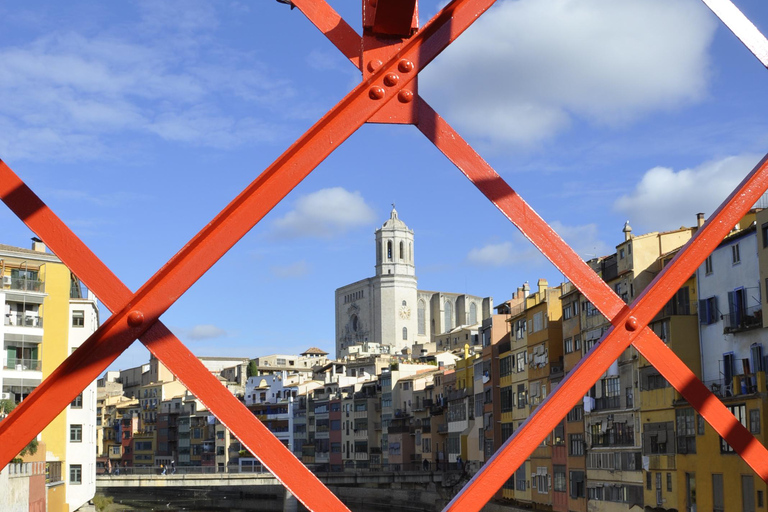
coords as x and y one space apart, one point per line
27 285
607 402
750 318
27 319
32 365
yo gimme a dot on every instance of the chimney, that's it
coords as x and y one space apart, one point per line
627 231
543 285
526 289
38 246
699 219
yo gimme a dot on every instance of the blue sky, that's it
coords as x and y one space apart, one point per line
137 122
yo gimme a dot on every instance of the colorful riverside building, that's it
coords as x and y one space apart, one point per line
710 475
47 314
543 315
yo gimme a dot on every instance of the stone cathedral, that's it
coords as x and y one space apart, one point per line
388 310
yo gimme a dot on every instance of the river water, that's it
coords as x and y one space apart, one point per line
172 500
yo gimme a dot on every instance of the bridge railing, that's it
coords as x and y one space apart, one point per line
357 467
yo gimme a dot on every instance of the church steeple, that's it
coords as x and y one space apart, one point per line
394 247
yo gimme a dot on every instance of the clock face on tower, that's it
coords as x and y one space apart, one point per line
405 312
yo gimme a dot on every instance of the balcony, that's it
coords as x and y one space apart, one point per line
19 319
607 402
750 318
22 364
25 285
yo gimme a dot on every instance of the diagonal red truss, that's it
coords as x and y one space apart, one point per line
137 315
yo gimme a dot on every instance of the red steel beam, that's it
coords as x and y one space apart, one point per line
330 23
144 308
161 342
627 324
741 27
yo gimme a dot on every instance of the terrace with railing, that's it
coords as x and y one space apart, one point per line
744 320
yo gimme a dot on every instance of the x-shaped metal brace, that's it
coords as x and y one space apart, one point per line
387 79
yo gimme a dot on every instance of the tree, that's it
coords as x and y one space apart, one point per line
252 369
6 406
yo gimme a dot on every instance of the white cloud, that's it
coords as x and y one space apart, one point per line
527 68
291 271
504 254
326 213
582 239
667 199
205 332
73 97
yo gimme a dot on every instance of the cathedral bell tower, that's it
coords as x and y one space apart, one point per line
394 248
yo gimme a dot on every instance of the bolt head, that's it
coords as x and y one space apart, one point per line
135 318
631 324
373 65
405 96
391 79
376 92
405 66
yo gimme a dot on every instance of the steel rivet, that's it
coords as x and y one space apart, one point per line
391 79
135 318
373 65
405 96
405 66
376 92
631 324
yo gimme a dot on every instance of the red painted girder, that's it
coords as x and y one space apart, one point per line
164 345
491 184
705 402
374 48
392 17
514 208
230 225
330 23
742 28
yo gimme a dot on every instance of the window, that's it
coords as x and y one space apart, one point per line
735 253
421 316
669 482
76 433
576 340
568 345
521 398
611 387
708 265
559 480
708 313
448 316
78 318
621 253
405 334
754 421
521 359
538 321
686 431
507 399
577 484
576 414
75 473
700 424
718 496
741 414
575 444
764 230
649 480
77 403
505 366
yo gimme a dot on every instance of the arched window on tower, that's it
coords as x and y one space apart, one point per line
410 252
402 250
473 313
422 318
405 334
389 250
448 316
